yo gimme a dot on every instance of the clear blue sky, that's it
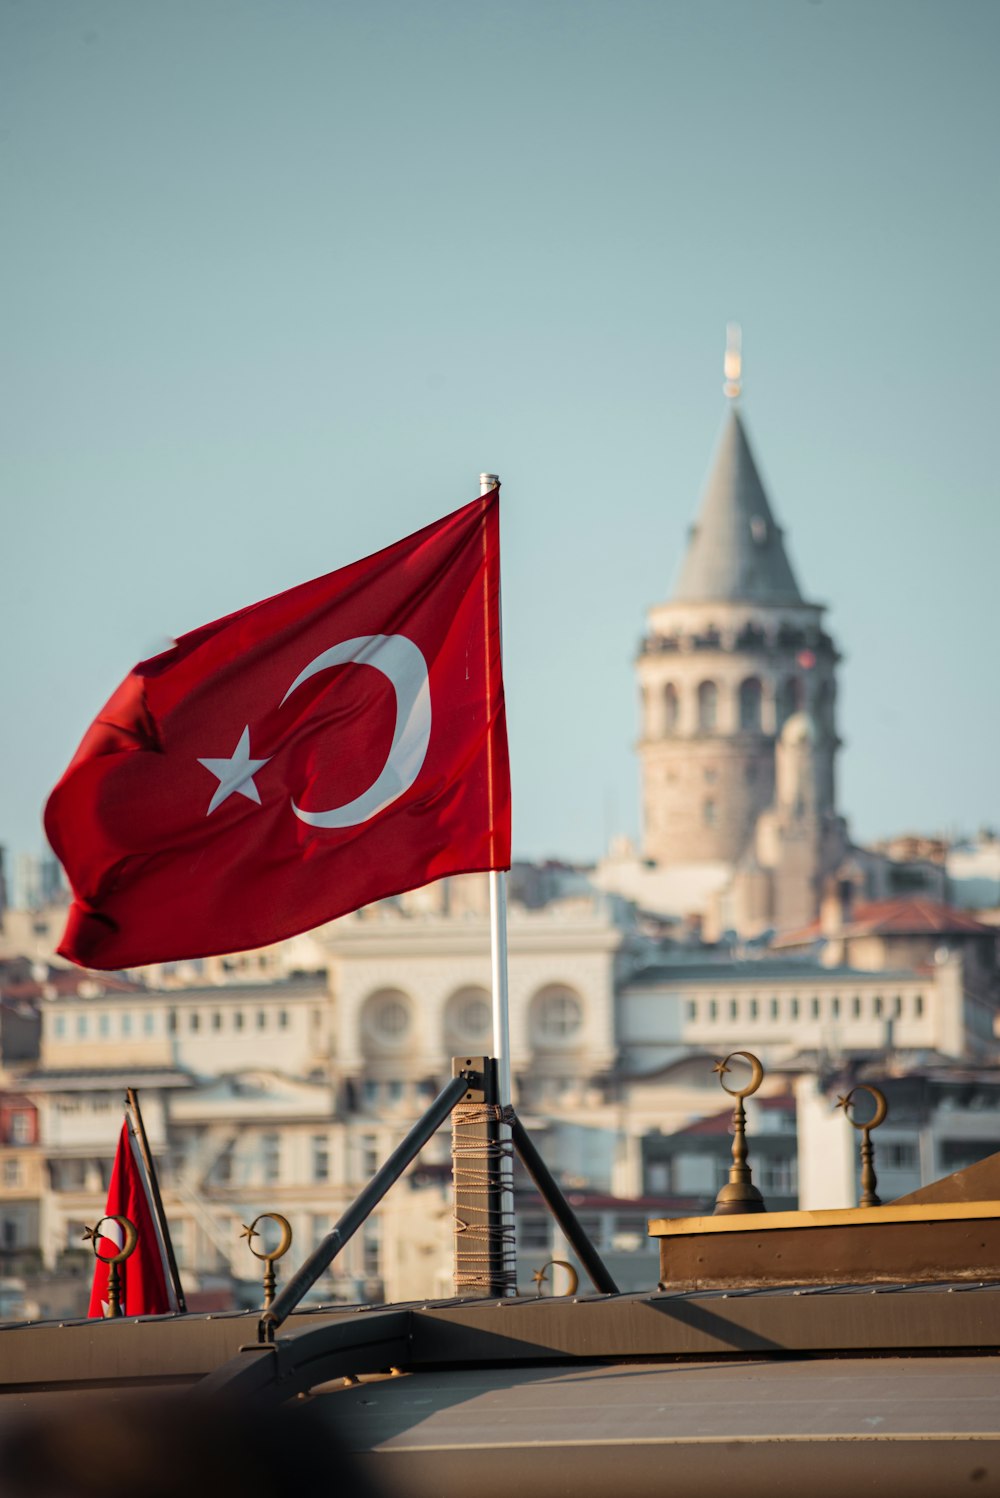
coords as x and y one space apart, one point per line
280 279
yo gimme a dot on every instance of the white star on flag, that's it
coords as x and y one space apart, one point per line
235 775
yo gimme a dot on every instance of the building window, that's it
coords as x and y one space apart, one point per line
395 1091
194 1020
171 1021
216 1019
103 1025
708 706
918 1005
126 1023
775 1008
856 1006
708 812
835 1007
877 1006
468 1015
237 1019
754 1008
370 1093
734 1009
320 1158
222 1170
282 1019
713 1009
711 775
671 708
750 700
261 1019
794 1008
814 1008
369 1154
12 1172
901 1155
692 1009
897 1005
558 1015
20 1128
81 1024
386 1018
371 1255
778 1176
60 1026
789 699
270 1149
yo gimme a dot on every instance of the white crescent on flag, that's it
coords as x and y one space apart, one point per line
403 664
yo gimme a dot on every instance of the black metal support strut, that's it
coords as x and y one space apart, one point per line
403 1155
323 1256
561 1210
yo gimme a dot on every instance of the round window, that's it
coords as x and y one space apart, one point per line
559 1014
468 1016
474 1017
387 1018
392 1018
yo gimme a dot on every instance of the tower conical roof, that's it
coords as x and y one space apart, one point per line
735 553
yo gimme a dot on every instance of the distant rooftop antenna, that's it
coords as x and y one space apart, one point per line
733 366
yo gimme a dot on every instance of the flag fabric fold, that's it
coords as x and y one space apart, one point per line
330 746
146 1287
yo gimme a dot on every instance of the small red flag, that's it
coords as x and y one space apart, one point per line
146 1288
325 748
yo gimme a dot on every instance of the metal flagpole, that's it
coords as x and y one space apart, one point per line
160 1216
501 1023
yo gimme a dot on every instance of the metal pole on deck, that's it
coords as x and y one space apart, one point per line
501 1018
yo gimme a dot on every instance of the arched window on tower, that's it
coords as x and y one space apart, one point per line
790 699
708 707
671 708
824 710
751 694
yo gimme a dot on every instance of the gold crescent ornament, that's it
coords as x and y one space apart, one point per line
540 1276
130 1238
881 1106
756 1074
284 1242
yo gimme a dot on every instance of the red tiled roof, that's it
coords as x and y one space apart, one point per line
904 915
722 1123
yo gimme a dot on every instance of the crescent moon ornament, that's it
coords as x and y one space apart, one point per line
540 1276
269 1257
756 1074
869 1196
403 665
284 1242
881 1106
127 1233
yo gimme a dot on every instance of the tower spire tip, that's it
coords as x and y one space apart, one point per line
733 364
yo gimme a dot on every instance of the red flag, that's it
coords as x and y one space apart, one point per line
144 1277
325 748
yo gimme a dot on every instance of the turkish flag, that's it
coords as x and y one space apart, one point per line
325 748
145 1285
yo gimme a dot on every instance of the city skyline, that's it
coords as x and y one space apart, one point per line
279 288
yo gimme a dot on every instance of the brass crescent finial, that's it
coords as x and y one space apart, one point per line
739 1194
540 1275
284 1242
721 1068
881 1106
268 1259
130 1237
868 1178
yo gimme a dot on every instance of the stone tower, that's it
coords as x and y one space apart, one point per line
726 661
